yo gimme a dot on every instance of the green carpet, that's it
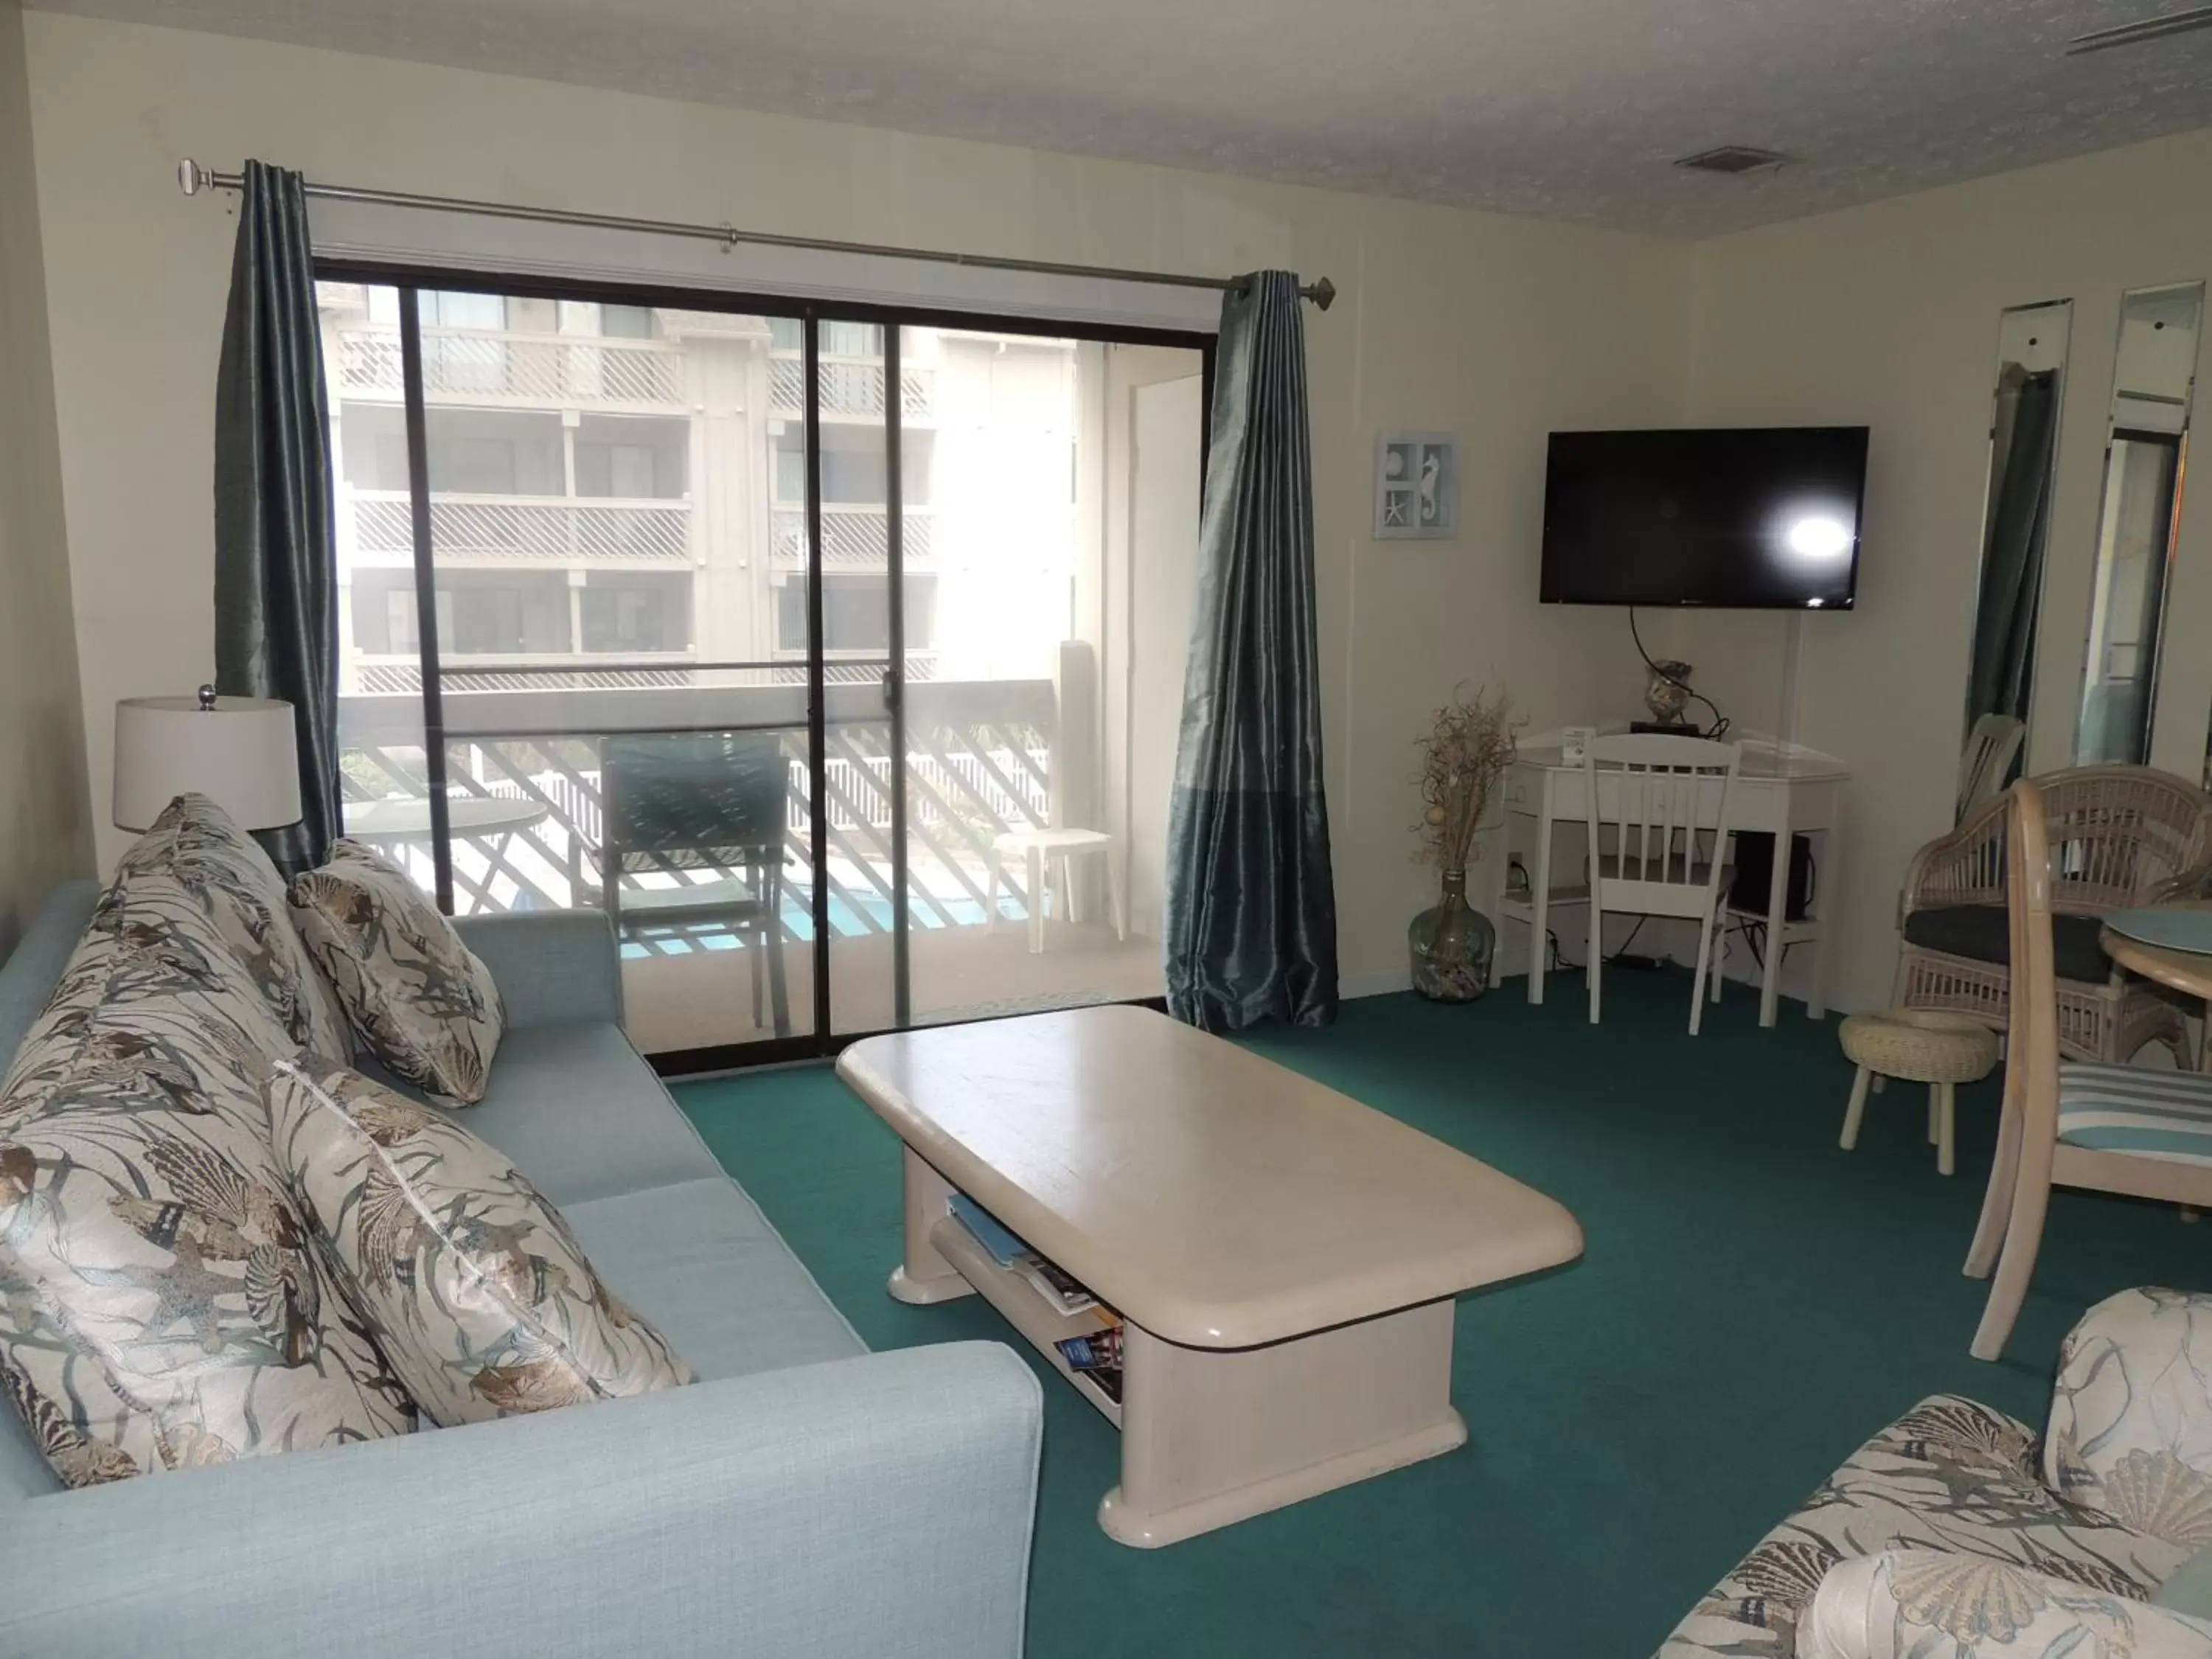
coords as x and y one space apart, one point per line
1754 1303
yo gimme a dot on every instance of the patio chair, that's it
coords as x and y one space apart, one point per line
707 809
2120 837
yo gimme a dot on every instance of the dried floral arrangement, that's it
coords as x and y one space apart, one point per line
1465 753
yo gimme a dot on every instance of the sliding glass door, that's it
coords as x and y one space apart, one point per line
779 636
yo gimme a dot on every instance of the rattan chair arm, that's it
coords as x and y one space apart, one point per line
1931 877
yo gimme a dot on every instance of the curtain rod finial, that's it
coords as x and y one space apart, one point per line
1324 294
191 176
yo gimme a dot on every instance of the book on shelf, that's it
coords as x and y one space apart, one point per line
986 1229
1054 1282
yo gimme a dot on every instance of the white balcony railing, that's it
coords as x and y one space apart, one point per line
979 761
852 538
519 529
480 366
849 386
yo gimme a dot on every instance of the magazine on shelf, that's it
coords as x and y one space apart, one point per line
1054 1282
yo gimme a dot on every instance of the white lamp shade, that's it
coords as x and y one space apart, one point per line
240 753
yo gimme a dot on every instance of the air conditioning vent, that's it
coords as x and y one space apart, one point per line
1733 159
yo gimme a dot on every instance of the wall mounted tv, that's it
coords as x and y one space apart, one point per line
1754 518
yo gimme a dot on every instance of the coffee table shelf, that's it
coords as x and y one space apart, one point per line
1284 1259
1021 1308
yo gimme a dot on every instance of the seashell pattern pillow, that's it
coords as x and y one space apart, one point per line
198 845
479 1294
420 999
163 1303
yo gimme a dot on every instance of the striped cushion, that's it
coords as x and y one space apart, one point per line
2126 1109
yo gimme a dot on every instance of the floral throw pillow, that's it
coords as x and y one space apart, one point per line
480 1296
197 845
421 1000
163 1303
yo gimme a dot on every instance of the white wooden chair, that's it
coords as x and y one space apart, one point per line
2091 1124
1665 801
1991 747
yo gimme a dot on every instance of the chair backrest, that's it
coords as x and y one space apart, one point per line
1657 793
1991 748
2122 836
692 800
2032 1038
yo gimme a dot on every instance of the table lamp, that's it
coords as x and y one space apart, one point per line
240 752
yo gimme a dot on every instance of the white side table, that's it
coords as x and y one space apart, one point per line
1035 847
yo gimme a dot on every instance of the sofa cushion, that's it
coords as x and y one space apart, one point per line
479 1296
1950 1474
196 843
1982 933
579 1111
700 1261
160 1301
421 999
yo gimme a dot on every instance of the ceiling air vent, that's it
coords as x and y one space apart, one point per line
1733 159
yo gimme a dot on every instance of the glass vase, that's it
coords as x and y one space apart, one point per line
1451 943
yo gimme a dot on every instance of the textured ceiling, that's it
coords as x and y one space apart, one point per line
1571 109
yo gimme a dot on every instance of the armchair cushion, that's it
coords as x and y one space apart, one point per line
1982 933
1904 1604
2130 1432
1950 1474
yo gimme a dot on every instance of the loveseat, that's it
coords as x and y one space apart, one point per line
806 1496
1956 1532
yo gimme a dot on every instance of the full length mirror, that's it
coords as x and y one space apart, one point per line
2031 341
2144 465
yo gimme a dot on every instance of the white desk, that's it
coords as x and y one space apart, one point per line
1796 792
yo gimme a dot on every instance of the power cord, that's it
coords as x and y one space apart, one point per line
1720 725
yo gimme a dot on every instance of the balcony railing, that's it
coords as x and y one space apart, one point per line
852 538
849 386
481 366
979 761
511 529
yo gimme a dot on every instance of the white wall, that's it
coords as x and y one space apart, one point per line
1498 328
1888 315
45 835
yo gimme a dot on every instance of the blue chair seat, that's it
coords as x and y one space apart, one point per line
2145 1114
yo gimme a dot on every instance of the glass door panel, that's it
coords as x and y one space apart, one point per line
857 485
1019 499
589 633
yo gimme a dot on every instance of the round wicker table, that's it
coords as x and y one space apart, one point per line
1917 1045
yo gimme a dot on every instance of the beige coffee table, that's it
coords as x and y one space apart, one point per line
1284 1257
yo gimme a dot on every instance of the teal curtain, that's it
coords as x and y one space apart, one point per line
276 575
1251 905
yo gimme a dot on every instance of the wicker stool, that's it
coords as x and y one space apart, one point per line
1917 1045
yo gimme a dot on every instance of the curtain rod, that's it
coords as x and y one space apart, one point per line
192 178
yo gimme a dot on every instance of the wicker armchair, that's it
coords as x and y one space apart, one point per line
2120 836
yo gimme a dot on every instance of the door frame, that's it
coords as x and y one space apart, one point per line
412 277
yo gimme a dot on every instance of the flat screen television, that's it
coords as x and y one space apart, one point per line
1754 519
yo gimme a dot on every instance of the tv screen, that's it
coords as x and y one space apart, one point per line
1758 519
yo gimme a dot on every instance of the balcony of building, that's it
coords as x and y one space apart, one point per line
527 777
852 388
506 530
852 538
499 367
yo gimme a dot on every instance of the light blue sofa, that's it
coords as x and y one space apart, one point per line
805 1497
